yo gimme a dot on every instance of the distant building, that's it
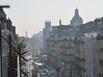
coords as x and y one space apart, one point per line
46 32
63 52
35 44
76 20
75 50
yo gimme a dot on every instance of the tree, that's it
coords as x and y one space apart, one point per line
20 48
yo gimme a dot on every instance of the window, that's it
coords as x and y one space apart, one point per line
101 62
101 49
99 37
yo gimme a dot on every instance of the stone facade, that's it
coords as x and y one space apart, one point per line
76 50
64 51
8 36
46 32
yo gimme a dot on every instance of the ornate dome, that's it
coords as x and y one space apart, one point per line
76 20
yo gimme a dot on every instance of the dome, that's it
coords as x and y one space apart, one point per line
76 20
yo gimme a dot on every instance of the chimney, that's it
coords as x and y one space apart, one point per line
60 23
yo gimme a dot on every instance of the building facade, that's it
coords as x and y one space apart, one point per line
46 32
9 56
64 52
76 50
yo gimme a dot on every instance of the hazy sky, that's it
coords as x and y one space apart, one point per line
30 15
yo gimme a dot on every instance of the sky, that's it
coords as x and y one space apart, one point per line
30 15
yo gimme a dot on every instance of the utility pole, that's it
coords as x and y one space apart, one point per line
1 7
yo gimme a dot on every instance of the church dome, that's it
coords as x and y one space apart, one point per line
76 20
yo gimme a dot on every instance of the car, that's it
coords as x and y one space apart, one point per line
46 70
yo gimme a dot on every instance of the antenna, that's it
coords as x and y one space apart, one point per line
76 4
60 22
26 34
